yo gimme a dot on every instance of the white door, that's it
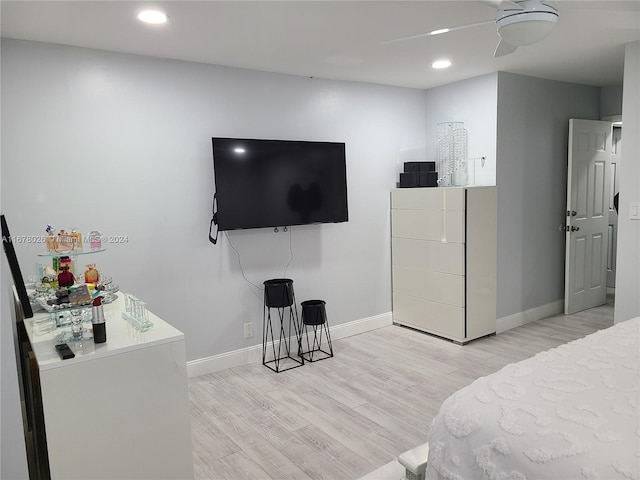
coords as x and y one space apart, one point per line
614 182
587 223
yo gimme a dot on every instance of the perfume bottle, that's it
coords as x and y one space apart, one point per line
52 240
65 277
95 240
91 275
77 240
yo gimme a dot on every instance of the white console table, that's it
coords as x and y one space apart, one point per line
118 410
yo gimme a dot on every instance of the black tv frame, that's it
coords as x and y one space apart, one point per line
14 266
224 224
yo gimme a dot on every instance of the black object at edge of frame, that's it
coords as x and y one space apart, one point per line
14 266
214 221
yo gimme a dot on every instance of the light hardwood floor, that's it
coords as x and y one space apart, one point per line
343 417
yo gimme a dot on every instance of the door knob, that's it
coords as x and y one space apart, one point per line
574 228
571 213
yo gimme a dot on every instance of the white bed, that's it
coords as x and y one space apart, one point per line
567 413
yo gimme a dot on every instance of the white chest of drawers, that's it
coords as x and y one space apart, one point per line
444 254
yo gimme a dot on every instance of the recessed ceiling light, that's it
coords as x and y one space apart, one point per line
441 64
155 17
438 32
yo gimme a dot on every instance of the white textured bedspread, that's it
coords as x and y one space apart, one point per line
567 413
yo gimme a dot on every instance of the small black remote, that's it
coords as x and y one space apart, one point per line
64 351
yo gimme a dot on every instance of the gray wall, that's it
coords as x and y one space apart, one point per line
533 125
610 101
121 143
473 102
628 261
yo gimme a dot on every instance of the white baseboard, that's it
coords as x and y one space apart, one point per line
531 315
253 354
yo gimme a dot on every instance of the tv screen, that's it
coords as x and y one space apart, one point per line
278 183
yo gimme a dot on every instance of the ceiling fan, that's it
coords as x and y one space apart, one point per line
518 22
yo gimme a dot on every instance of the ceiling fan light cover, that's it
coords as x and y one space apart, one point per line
527 28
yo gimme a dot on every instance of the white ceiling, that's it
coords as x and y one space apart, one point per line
341 40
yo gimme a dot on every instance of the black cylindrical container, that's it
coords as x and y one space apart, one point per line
278 293
99 326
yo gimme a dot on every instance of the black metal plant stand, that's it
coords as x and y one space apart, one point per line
279 296
314 315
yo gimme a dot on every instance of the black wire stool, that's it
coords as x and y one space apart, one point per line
278 294
314 315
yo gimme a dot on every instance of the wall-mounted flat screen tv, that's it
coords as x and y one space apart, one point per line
278 183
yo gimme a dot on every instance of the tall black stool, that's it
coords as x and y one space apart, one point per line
314 315
278 295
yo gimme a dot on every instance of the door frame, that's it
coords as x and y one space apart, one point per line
616 121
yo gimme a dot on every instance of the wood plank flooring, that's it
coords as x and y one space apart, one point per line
343 417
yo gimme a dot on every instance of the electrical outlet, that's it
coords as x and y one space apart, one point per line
248 330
